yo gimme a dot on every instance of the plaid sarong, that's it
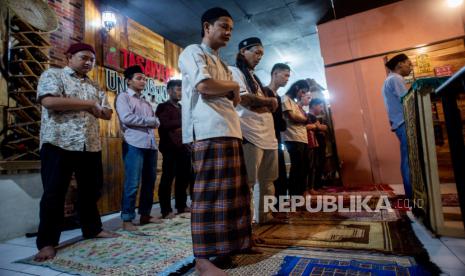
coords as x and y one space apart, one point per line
220 211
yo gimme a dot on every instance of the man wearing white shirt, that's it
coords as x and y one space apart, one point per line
255 111
220 210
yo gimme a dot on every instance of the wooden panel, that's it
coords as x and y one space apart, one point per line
172 52
113 172
127 34
144 42
425 59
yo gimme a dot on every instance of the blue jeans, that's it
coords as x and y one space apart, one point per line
138 163
404 166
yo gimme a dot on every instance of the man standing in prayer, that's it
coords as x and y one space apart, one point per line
137 121
394 88
220 211
70 142
295 137
280 74
176 156
259 142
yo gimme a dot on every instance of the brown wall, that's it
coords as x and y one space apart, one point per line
130 35
366 146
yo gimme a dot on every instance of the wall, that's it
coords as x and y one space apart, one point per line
366 146
130 35
70 28
79 20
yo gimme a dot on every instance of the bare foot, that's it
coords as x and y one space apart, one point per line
169 216
46 253
107 234
206 268
129 226
257 240
252 251
149 219
282 216
223 262
185 210
276 221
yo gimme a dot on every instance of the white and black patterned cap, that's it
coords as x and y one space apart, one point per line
249 42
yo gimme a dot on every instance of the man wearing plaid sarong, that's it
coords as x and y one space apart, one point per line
221 219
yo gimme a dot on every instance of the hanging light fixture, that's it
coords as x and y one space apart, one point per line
108 20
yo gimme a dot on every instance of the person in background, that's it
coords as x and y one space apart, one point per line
394 88
280 74
72 105
176 156
295 137
317 144
255 111
221 222
137 121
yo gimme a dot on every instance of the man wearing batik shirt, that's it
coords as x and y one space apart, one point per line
138 122
255 110
220 210
70 142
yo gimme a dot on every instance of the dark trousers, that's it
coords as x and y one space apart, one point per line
299 167
176 165
57 167
280 184
315 168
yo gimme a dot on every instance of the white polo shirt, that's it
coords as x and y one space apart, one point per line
295 132
207 118
257 128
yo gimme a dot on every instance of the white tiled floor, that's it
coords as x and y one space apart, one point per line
447 253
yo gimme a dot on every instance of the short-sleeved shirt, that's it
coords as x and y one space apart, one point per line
295 132
207 118
257 128
393 90
137 120
70 130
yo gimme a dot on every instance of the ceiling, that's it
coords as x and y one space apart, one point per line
287 28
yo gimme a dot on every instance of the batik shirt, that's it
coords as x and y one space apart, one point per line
70 130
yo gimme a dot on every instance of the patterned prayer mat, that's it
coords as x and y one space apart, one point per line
275 261
328 234
383 215
383 236
296 266
379 189
450 200
155 249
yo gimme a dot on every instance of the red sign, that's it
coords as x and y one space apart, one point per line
151 68
443 71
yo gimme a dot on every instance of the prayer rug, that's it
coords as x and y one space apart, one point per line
296 266
155 249
378 189
273 261
382 215
383 236
328 234
450 200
